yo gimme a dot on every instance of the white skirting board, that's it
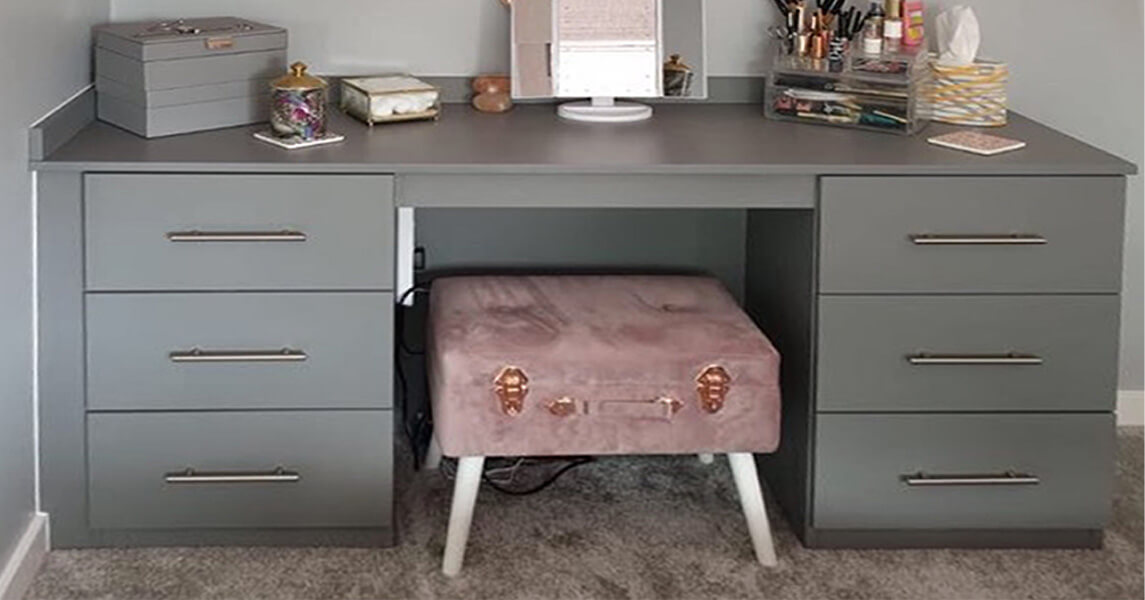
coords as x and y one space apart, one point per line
1131 408
27 556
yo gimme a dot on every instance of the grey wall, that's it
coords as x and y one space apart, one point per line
1081 73
44 58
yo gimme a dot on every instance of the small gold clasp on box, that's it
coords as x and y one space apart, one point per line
220 43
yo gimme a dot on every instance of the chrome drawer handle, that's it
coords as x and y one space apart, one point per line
1011 359
279 475
194 235
1007 478
1012 239
195 355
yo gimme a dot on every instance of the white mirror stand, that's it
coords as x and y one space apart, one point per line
604 110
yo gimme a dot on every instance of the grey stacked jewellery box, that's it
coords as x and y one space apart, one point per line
159 78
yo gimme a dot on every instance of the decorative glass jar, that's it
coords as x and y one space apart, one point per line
298 105
677 77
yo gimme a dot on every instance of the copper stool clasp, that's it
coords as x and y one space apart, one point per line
511 386
712 388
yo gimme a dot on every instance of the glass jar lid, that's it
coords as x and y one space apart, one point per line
298 79
675 64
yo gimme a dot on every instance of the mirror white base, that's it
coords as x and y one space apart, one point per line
604 110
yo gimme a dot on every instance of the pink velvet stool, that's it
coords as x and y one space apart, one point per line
573 365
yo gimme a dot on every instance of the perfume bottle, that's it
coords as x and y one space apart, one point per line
893 26
873 37
877 16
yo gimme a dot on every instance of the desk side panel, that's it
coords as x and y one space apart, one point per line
60 302
781 289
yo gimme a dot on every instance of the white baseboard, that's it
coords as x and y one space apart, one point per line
1131 408
29 554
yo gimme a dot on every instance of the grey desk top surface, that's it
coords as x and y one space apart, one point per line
700 139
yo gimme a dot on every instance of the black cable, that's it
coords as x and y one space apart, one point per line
403 391
551 480
399 370
412 290
400 322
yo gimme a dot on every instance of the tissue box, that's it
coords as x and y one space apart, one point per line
390 98
160 78
974 95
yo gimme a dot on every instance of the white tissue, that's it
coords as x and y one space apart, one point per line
958 36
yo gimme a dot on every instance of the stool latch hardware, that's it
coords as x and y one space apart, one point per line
670 404
712 388
511 386
562 407
662 407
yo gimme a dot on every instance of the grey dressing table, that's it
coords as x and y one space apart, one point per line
213 307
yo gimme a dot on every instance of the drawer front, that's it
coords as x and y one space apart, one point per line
286 469
1061 471
239 232
967 353
997 234
239 351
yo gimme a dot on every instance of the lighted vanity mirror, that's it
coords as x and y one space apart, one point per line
570 48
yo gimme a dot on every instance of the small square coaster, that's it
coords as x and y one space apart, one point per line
296 143
977 142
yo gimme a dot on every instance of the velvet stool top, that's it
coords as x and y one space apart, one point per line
609 364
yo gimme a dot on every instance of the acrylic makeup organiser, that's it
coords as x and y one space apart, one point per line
875 92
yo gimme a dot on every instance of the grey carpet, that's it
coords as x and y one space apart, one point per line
619 528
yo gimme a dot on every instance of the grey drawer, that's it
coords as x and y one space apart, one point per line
342 461
867 224
140 351
320 232
893 353
861 462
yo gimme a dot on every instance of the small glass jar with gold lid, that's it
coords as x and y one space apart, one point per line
298 105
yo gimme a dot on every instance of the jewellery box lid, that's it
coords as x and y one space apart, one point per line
187 38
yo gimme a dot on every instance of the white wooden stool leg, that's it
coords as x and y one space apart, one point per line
751 498
432 455
707 459
468 480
